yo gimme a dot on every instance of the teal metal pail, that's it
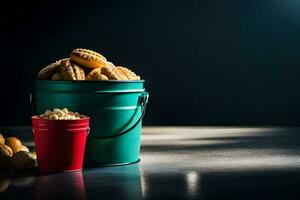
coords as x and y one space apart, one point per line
115 108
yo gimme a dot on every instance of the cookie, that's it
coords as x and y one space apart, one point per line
56 76
113 73
79 72
88 58
71 71
101 77
130 75
93 74
67 71
2 140
48 71
109 64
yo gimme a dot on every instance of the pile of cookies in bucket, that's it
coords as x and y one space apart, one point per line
85 64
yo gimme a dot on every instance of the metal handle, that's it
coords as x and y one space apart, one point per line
144 100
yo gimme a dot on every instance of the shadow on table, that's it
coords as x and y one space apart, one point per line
33 186
285 139
123 182
17 185
251 185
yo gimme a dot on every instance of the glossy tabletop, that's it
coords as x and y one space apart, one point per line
179 163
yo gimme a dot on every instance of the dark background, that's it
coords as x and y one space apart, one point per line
205 62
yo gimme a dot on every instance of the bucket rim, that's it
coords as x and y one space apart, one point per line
92 81
82 117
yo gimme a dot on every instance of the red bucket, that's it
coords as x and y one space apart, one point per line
60 144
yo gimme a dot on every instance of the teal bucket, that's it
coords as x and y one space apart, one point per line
115 108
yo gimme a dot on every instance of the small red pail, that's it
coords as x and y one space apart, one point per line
60 144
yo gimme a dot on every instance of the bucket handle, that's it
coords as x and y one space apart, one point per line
144 100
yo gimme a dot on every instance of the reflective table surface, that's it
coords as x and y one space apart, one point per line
179 163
